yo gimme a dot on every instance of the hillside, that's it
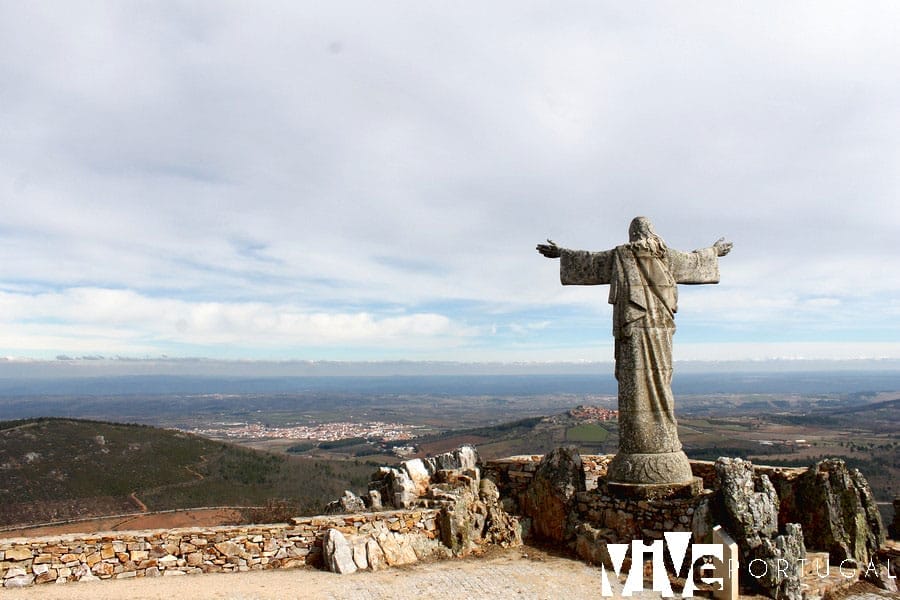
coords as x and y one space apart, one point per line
54 469
536 435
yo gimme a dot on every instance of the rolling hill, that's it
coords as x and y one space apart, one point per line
56 469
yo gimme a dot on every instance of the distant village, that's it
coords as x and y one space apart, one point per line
593 413
789 444
372 430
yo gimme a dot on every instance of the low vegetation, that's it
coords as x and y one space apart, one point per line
56 469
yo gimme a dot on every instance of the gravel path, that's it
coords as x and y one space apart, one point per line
516 573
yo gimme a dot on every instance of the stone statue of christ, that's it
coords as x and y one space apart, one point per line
642 276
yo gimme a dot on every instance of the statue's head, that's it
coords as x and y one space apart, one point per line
642 235
640 229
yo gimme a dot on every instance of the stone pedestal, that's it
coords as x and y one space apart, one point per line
660 468
656 491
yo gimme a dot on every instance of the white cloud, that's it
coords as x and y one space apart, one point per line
84 320
216 173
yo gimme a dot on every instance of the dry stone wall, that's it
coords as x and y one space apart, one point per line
513 474
118 555
629 519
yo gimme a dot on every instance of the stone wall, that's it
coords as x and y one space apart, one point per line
513 474
601 514
629 519
121 554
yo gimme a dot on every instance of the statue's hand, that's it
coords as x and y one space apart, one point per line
550 249
722 247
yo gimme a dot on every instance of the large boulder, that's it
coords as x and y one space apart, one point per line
845 522
338 553
550 496
776 566
400 488
749 501
748 508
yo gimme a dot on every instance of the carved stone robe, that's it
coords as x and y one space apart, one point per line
644 295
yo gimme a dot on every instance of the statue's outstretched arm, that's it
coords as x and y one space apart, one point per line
550 249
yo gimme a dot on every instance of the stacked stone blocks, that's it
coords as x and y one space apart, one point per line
118 555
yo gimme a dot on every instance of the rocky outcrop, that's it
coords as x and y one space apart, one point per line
470 512
469 516
748 509
401 487
550 496
845 522
474 517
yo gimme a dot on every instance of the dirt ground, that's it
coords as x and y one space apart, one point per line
520 573
183 518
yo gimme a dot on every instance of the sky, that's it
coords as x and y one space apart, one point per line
358 181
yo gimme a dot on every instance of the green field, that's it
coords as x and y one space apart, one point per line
587 433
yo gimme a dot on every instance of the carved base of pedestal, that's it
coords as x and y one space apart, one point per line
663 468
655 491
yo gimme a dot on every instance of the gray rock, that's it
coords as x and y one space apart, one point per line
457 523
396 550
418 474
464 457
18 581
846 522
337 553
550 495
501 528
702 523
750 501
351 503
590 544
782 574
374 500
374 555
426 549
468 519
748 507
394 486
359 553
880 576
